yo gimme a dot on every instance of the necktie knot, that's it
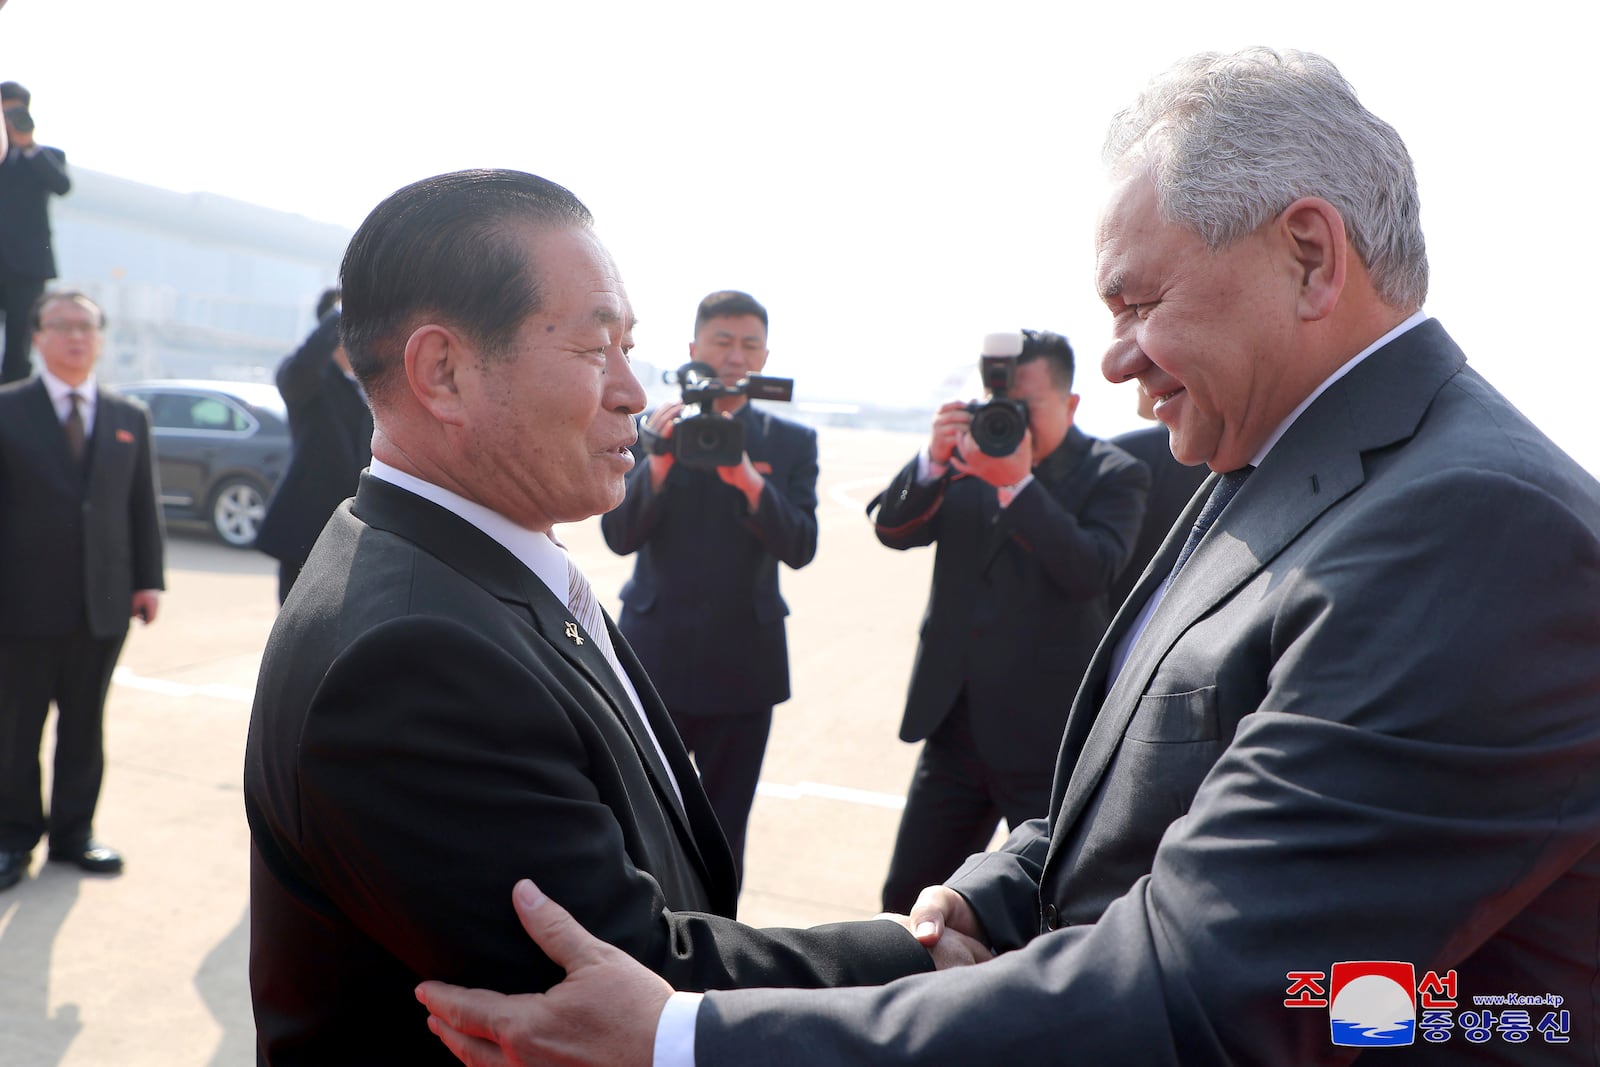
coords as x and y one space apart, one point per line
1227 486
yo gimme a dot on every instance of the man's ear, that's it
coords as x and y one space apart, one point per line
1316 232
436 358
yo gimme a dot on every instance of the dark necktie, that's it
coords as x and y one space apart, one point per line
74 427
1221 493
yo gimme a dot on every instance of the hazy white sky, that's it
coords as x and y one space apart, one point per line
893 179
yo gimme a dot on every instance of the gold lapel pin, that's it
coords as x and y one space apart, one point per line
572 632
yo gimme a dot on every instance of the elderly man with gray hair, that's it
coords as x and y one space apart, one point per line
1330 780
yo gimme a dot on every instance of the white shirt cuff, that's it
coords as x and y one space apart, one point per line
675 1031
927 469
1008 493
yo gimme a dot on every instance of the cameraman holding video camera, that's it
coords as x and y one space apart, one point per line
1034 520
710 521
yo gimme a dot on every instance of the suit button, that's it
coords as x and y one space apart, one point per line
1051 919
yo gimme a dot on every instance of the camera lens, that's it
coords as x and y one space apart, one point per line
998 427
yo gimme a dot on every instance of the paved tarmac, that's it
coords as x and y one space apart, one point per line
149 969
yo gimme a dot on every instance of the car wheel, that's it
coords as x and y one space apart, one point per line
237 507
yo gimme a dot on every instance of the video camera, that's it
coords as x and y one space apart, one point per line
707 439
999 424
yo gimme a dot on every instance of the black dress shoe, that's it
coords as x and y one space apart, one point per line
90 856
13 865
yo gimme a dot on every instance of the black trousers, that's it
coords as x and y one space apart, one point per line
75 673
953 807
17 294
728 750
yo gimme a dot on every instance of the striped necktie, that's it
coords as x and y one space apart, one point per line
581 599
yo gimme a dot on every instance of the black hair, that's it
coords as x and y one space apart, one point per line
1042 344
445 247
51 296
728 303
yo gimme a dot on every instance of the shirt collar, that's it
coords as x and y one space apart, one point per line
59 389
1414 320
539 552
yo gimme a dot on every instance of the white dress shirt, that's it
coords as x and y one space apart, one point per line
61 398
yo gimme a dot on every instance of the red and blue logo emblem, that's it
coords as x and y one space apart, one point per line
1373 1003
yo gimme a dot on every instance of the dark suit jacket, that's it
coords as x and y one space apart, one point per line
425 734
74 542
25 189
1361 726
702 609
330 426
1018 599
1172 485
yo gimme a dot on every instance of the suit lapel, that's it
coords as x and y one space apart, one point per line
489 564
1317 463
48 430
97 450
555 622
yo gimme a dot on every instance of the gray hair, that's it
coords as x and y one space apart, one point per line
1232 140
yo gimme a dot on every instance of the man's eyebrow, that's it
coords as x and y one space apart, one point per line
608 317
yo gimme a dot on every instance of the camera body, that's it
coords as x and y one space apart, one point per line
999 423
707 439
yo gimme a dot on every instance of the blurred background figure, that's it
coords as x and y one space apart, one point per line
81 552
330 425
1171 486
30 173
1029 542
702 609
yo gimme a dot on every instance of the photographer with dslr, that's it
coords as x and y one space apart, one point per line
1034 520
710 521
30 173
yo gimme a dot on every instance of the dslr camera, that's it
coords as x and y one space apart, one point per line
999 423
707 439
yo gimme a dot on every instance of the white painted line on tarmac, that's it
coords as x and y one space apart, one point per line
777 790
840 492
237 694
831 792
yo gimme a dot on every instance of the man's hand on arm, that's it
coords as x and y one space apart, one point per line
603 1013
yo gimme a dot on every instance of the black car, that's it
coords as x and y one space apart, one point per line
220 449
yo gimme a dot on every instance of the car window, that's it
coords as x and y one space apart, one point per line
193 411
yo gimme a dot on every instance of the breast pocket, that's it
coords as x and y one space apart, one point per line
1176 718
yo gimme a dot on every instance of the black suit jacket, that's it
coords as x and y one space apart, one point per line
1018 599
1172 485
75 542
1361 725
425 733
330 426
26 186
702 608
